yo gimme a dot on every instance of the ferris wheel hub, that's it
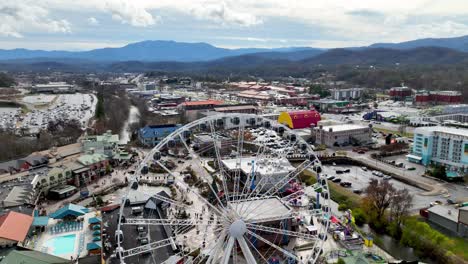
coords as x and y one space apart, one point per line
237 229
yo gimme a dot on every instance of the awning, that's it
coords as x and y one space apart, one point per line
81 170
96 233
97 227
40 221
94 245
414 157
94 220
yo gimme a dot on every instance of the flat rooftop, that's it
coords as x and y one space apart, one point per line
441 129
443 211
271 166
344 127
262 209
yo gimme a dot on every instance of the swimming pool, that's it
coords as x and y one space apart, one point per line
62 245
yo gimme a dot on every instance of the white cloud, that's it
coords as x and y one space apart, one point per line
92 21
333 21
20 17
129 13
222 13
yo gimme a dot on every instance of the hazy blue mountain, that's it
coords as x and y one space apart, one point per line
157 50
457 43
388 56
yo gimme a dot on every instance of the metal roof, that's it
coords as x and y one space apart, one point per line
15 226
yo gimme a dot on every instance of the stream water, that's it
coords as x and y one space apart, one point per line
133 117
394 248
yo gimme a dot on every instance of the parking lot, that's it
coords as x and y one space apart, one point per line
360 178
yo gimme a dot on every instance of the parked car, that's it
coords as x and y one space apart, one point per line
346 184
336 180
357 191
331 177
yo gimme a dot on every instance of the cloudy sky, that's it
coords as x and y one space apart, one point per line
88 24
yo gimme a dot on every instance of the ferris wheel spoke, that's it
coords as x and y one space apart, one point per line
246 250
256 250
166 222
201 169
218 159
148 247
240 149
253 172
228 250
278 231
285 252
187 187
217 249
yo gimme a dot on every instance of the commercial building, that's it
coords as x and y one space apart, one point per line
437 97
57 176
342 135
296 100
23 164
192 110
53 87
106 144
150 135
454 220
299 119
346 94
324 105
242 108
454 109
439 145
400 93
204 144
255 96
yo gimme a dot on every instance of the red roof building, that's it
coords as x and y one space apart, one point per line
14 227
202 103
299 119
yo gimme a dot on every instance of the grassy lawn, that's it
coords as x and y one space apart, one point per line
460 248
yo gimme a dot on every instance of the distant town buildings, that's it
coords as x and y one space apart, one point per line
53 87
346 94
441 146
191 110
400 93
437 97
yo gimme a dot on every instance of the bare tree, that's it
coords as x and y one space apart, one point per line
401 204
379 195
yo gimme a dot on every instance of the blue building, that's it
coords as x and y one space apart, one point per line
151 135
439 145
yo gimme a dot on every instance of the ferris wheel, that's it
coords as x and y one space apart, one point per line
235 196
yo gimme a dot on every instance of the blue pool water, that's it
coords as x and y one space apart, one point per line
63 244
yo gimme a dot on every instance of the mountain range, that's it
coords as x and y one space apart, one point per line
170 56
153 50
159 50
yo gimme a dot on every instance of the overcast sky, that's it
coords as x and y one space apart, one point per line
89 24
